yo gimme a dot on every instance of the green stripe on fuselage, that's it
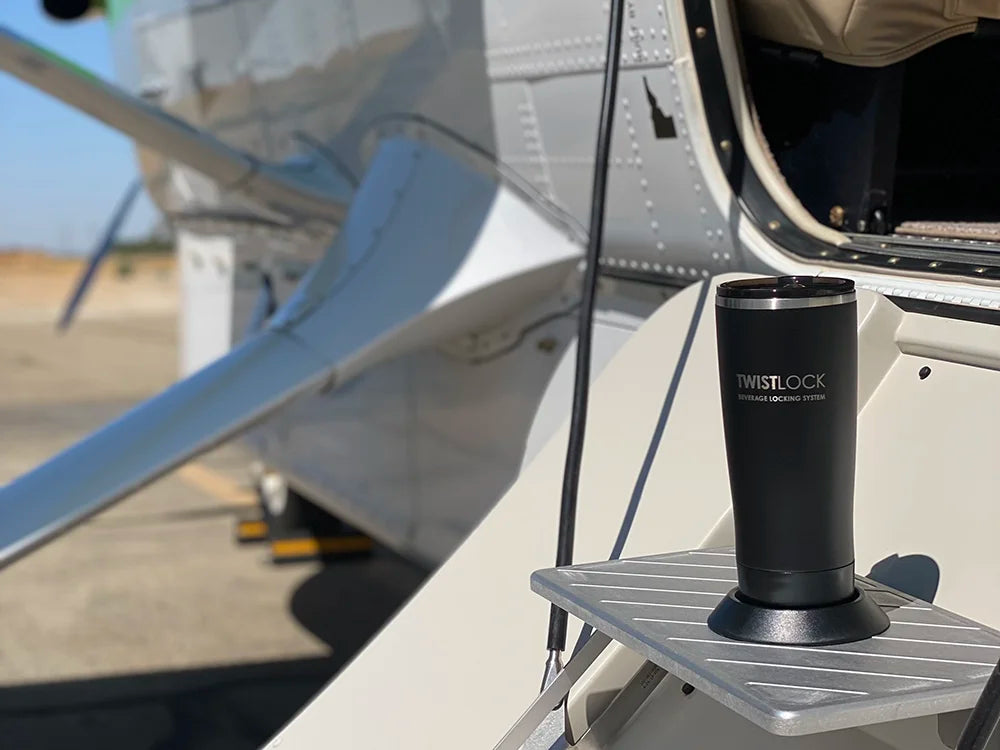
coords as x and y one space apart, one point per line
115 9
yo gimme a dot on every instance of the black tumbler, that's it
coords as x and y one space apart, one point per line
788 371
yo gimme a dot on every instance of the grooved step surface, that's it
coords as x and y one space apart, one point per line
929 660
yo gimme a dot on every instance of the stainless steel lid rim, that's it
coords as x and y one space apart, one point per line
789 303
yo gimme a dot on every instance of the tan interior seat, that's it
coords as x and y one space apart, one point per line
863 32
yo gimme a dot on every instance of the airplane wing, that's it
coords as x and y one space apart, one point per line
431 248
296 192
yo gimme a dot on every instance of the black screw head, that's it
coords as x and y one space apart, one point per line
687 688
924 372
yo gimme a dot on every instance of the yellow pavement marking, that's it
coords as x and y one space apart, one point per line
324 545
252 530
217 484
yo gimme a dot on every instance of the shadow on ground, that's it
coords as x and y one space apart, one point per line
226 707
345 603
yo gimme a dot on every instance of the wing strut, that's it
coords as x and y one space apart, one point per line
297 192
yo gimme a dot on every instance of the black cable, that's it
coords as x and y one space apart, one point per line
985 716
581 380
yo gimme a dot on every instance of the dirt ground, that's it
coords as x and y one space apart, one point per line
35 287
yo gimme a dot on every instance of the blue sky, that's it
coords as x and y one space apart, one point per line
61 172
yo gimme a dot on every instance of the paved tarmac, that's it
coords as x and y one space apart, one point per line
147 626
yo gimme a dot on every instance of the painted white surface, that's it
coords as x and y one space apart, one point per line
609 335
436 253
206 278
924 445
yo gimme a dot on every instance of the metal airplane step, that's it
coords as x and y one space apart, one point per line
929 661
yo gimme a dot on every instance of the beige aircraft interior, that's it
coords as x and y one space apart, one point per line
881 116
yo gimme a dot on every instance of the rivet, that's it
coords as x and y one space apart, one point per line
701 32
980 270
893 261
934 264
774 225
924 372
726 146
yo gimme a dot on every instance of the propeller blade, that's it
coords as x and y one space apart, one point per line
432 249
97 256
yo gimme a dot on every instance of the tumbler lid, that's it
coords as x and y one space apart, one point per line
785 292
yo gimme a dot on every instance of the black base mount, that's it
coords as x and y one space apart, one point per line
856 619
